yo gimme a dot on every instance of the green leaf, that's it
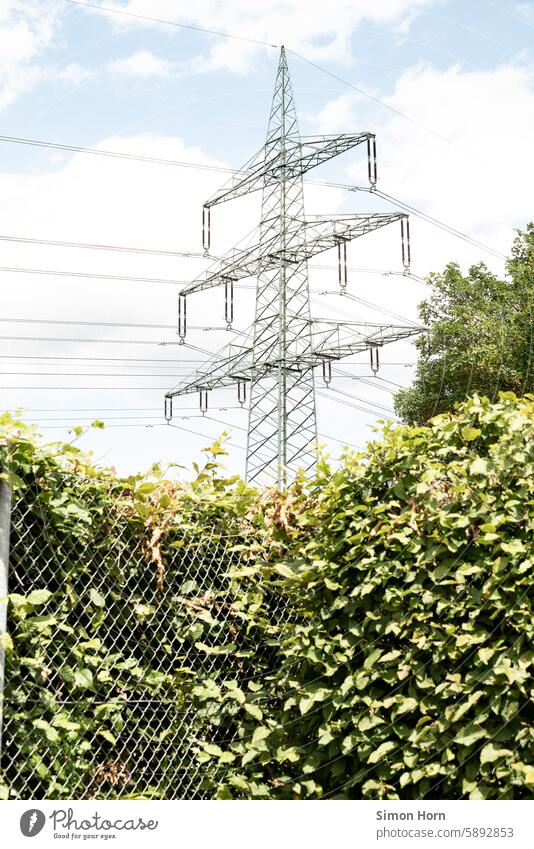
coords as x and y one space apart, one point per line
254 711
51 734
37 597
470 734
305 704
6 643
212 749
489 754
371 659
83 678
228 649
260 734
381 752
470 433
107 735
224 792
97 599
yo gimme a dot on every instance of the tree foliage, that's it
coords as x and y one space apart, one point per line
480 336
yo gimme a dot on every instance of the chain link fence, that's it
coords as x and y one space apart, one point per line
121 603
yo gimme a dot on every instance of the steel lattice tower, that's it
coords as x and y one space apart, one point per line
287 344
282 417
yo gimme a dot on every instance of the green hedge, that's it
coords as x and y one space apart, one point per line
119 601
407 672
369 633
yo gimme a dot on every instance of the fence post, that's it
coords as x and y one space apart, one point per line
5 522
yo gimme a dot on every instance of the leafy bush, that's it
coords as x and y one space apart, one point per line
119 600
366 633
407 669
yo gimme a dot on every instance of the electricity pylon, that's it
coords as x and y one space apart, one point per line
287 343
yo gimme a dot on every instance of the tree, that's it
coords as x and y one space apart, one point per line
479 338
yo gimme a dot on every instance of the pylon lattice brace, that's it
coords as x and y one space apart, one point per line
287 344
282 425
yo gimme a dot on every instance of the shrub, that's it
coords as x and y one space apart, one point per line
407 669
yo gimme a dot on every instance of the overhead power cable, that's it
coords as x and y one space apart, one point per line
171 23
344 403
114 154
384 104
440 224
264 43
356 398
117 154
91 246
110 324
91 275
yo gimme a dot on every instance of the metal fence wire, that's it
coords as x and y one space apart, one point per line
115 619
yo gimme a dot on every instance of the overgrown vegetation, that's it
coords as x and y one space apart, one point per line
407 671
368 634
118 601
480 336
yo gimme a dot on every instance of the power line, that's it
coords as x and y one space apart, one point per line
110 409
171 23
91 246
361 409
118 154
175 281
115 154
79 341
382 103
157 360
356 398
372 305
85 374
154 409
110 324
367 381
511 14
197 255
440 224
293 52
86 388
92 275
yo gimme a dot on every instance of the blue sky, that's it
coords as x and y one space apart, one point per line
78 76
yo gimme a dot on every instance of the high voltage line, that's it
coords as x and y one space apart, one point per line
171 23
92 246
387 197
277 370
244 174
265 43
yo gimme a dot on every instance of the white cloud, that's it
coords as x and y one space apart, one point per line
26 30
142 64
73 73
481 183
120 202
338 115
322 32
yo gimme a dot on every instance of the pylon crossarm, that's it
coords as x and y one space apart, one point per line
314 237
229 371
336 340
299 157
314 150
249 178
276 374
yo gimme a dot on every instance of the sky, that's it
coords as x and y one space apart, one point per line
448 88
